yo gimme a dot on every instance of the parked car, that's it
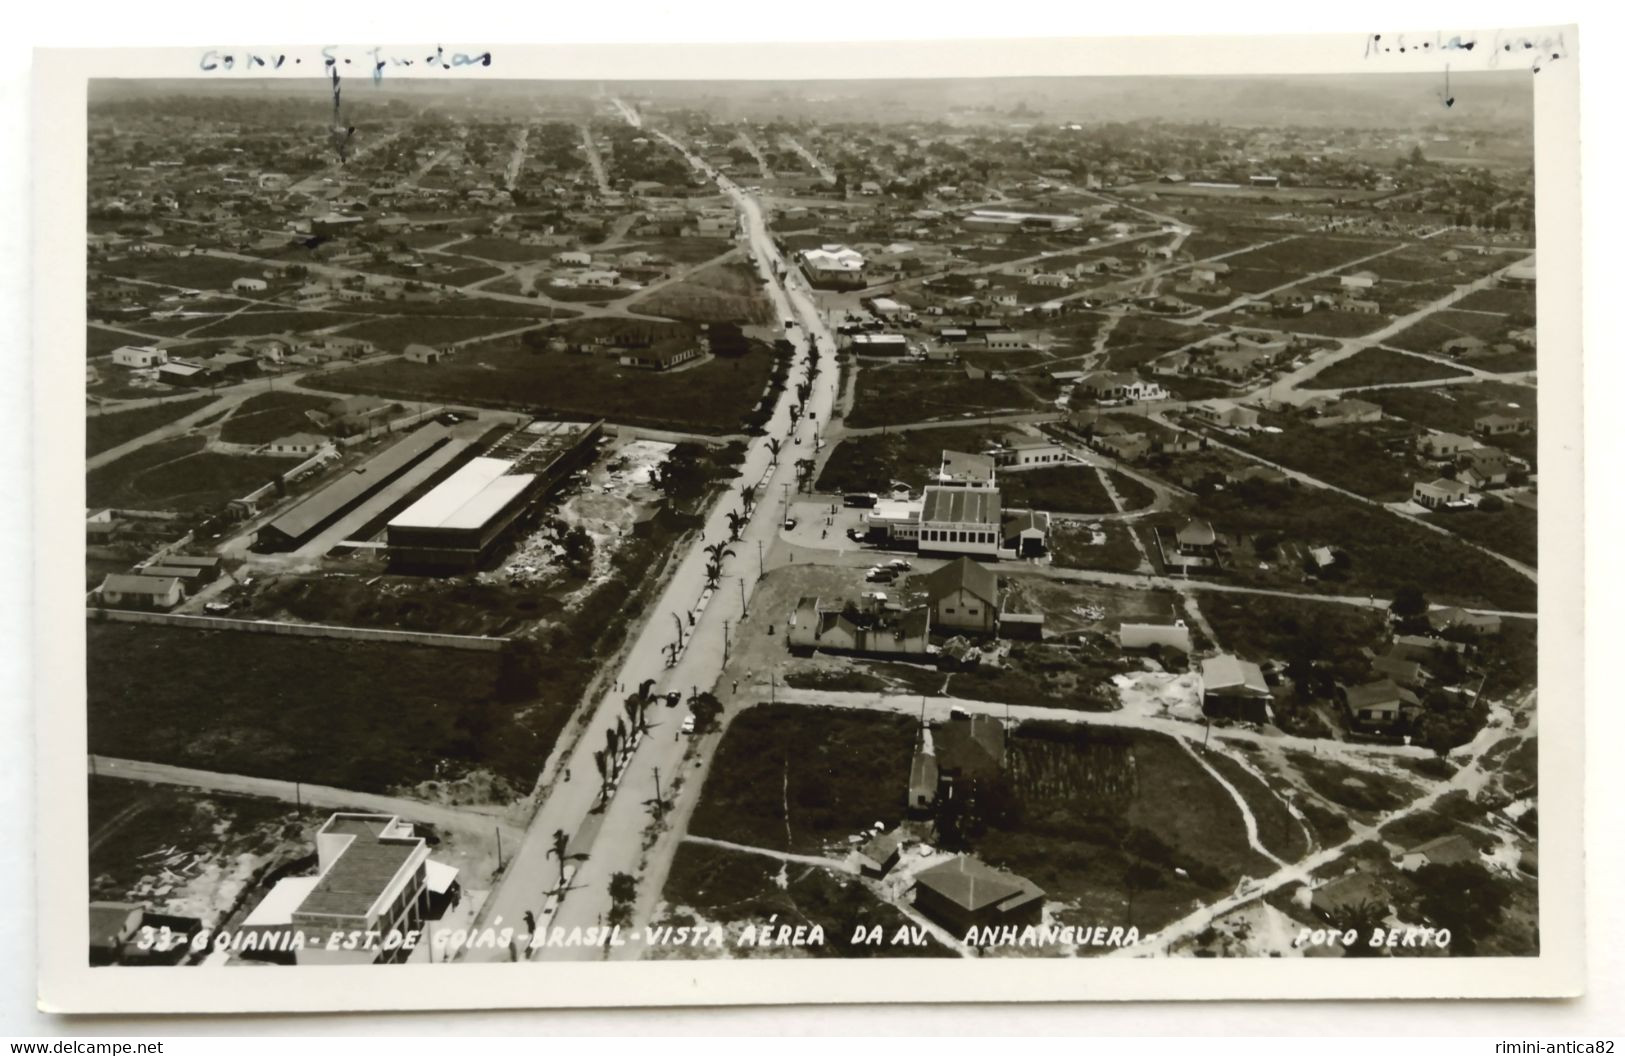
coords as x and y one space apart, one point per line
899 564
881 575
688 724
789 523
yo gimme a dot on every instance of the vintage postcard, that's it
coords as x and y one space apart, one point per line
1046 520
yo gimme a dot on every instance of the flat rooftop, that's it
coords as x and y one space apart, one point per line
468 498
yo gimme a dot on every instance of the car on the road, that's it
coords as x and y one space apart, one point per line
789 523
881 575
217 606
688 724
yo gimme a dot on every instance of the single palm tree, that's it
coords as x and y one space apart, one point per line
559 849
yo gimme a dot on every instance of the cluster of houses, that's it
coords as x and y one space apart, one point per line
158 584
1466 466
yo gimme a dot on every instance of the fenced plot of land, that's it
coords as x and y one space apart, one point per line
1105 547
108 430
1067 489
801 779
369 716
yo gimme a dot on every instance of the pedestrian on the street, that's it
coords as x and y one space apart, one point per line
530 922
567 775
736 685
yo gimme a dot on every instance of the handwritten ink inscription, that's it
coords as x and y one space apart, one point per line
331 58
1537 49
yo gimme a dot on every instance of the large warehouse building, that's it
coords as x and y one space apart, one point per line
304 520
458 523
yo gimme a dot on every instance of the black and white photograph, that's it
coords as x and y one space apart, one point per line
1057 522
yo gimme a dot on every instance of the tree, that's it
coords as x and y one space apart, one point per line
1363 919
623 890
736 524
706 708
774 445
1462 896
1409 604
578 550
559 848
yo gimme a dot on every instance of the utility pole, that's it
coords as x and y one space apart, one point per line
741 595
499 849
725 634
761 561
660 805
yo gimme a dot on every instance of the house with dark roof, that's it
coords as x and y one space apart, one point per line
1345 893
1402 670
968 748
964 596
1025 534
1195 545
1445 850
964 893
1378 706
877 856
1233 688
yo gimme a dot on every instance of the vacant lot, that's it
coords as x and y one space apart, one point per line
1456 409
394 333
255 323
1379 366
1261 627
726 887
197 271
713 396
1107 547
1510 530
503 249
1059 489
263 418
1432 332
900 393
1050 675
725 292
1384 552
871 462
104 431
801 779
1089 804
1368 458
371 716
179 475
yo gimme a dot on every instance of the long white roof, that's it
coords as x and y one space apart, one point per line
468 498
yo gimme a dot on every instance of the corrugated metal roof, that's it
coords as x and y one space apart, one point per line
961 505
364 479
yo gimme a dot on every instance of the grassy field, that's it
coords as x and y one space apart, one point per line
1278 830
269 415
1260 627
394 333
897 394
1434 330
1384 551
1510 530
255 323
1054 676
1059 489
1379 366
1354 456
871 462
1091 803
713 396
1073 546
190 272
503 249
727 887
725 292
302 708
105 431
1455 409
839 772
179 475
